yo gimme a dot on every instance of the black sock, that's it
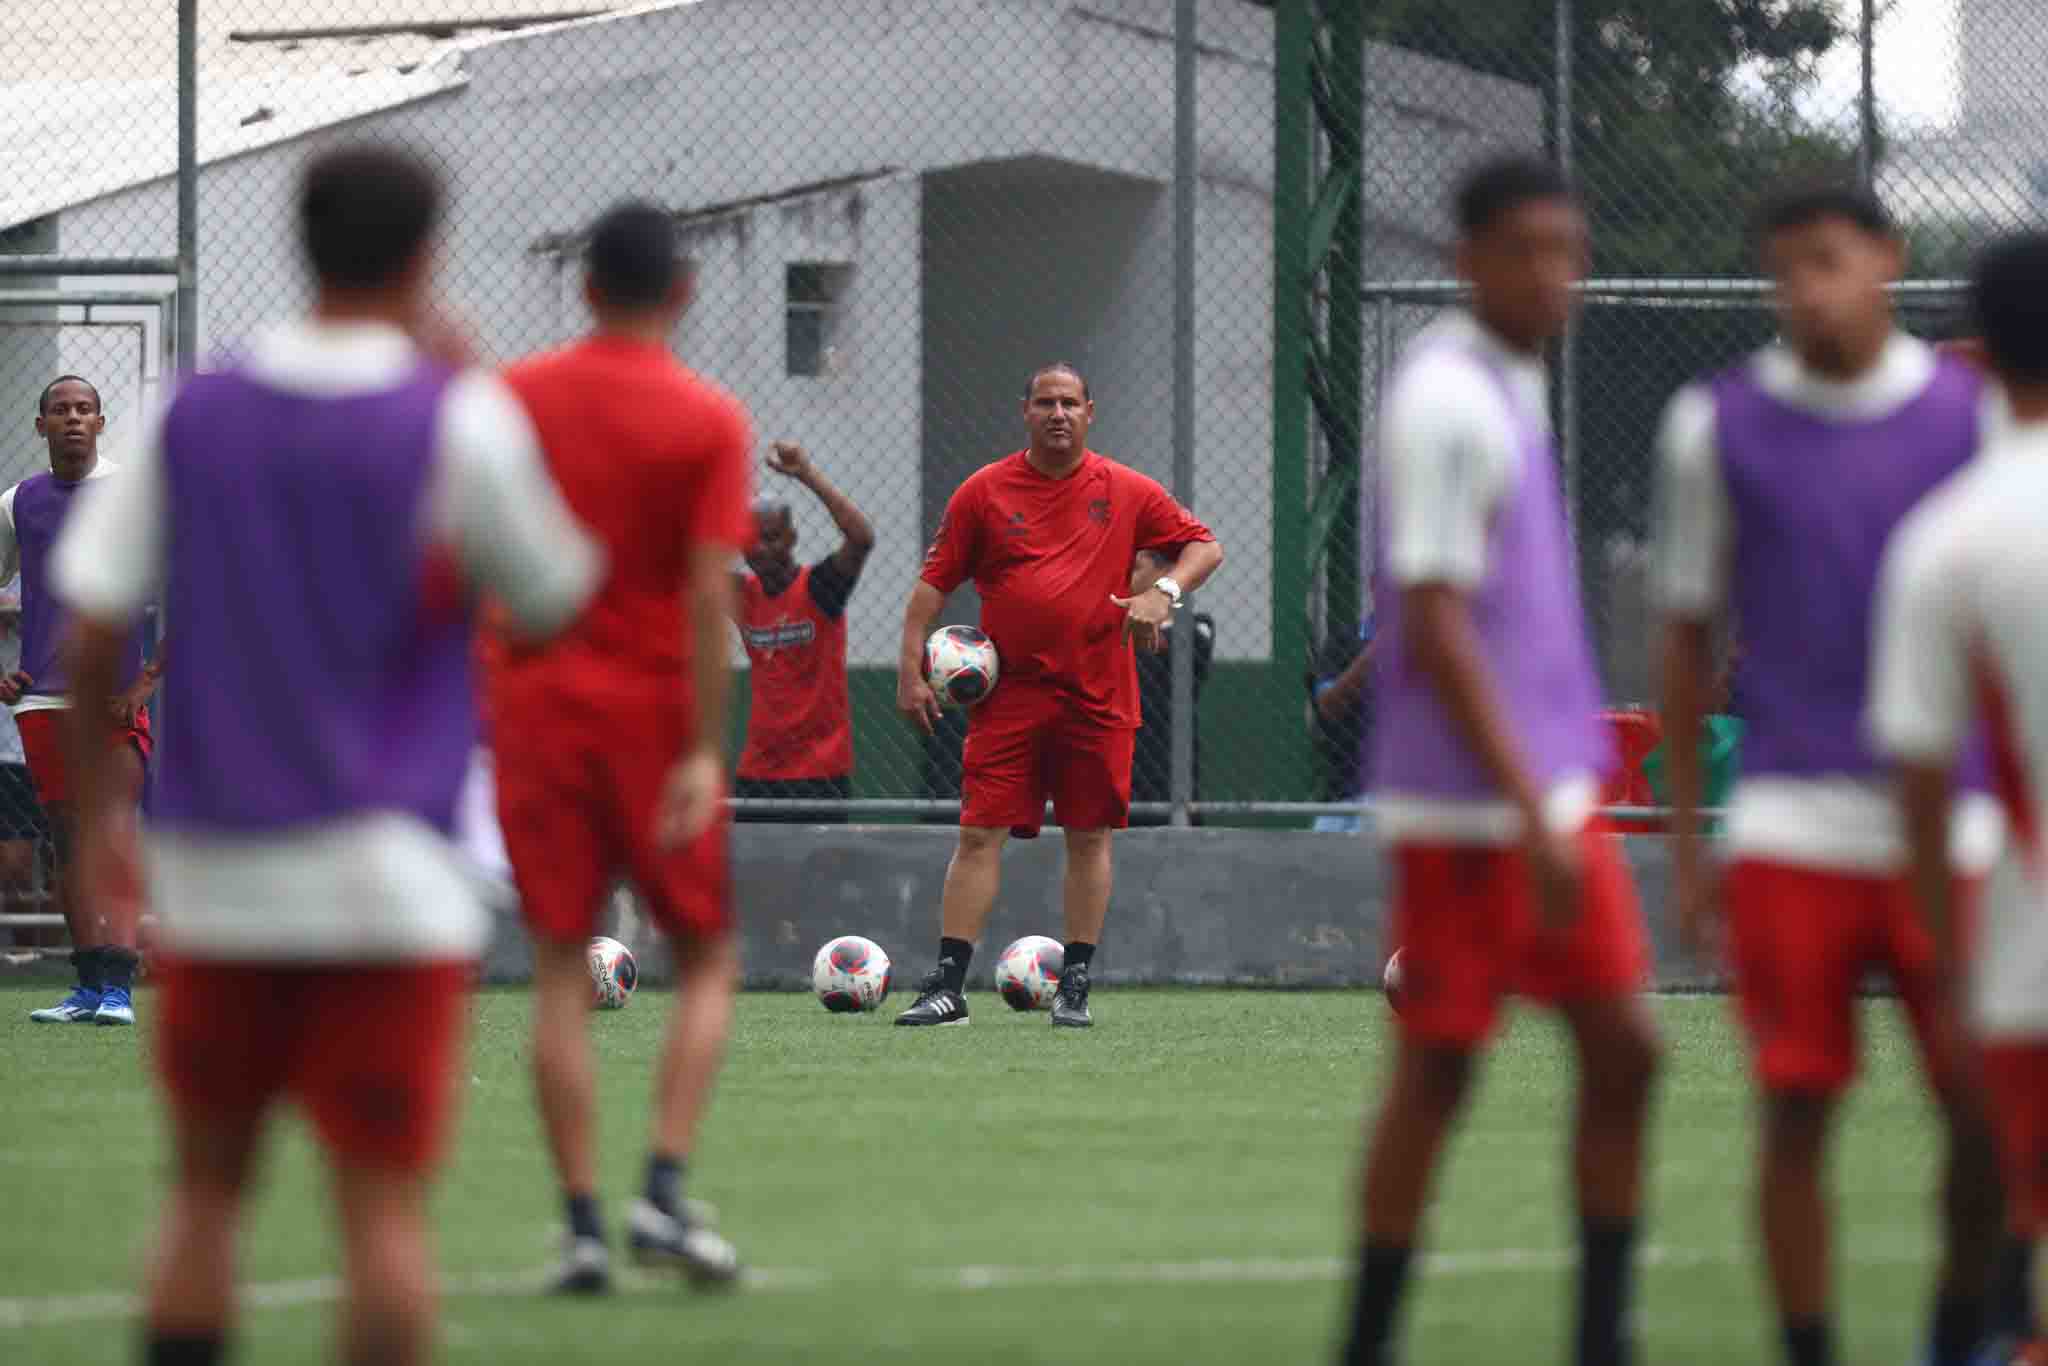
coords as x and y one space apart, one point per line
1382 1271
954 956
1606 1260
1958 1328
117 967
91 969
1809 1342
2011 1311
1079 954
182 1350
664 1182
583 1220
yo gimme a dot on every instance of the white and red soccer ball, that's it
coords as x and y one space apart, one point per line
960 665
1394 982
851 974
613 974
1028 973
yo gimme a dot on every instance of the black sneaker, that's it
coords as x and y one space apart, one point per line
686 1241
1070 1002
936 1004
585 1269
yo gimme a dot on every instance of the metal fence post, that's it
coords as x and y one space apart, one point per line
188 184
1182 775
1866 100
1568 359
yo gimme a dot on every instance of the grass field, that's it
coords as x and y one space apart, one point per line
1173 1187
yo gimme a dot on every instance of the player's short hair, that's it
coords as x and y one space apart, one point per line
365 213
43 399
633 255
767 505
1497 187
1806 202
2009 294
1058 367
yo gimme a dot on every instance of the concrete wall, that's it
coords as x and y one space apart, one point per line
1267 908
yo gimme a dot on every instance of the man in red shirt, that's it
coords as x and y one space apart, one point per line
608 738
792 620
1048 535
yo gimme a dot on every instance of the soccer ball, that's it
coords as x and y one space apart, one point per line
851 974
613 974
1394 982
960 665
1028 973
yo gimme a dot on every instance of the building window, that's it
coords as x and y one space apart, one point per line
815 303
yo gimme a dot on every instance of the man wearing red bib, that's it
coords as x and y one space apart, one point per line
792 620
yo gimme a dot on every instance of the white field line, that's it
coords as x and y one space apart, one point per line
34 1311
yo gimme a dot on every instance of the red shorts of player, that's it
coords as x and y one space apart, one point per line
2017 1075
45 746
368 1050
1802 942
1467 925
1026 745
578 800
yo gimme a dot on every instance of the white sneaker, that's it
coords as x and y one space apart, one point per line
659 1239
586 1268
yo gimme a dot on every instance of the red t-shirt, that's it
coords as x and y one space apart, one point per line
799 724
654 461
1046 555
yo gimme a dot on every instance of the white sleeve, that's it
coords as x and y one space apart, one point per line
109 560
10 546
1920 692
1449 453
503 515
1689 559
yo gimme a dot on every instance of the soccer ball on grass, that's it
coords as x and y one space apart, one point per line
1028 973
613 974
851 974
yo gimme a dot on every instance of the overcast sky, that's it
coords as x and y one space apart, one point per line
1919 75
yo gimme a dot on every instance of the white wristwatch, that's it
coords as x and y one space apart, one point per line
1171 589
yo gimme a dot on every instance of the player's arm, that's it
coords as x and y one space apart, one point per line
1921 703
947 564
856 533
1162 523
129 703
1346 688
12 686
1688 581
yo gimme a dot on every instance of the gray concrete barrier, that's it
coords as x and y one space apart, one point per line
1205 906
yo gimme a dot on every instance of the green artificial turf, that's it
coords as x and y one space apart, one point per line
1174 1186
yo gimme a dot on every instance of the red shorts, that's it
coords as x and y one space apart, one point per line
45 746
1027 745
1467 925
2017 1075
578 802
1802 940
370 1050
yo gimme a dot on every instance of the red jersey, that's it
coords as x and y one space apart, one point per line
800 723
1046 555
653 460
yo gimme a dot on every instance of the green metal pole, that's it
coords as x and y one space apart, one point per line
1293 39
1344 273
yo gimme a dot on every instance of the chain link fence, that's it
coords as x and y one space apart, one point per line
895 209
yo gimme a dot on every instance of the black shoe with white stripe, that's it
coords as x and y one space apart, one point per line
936 1004
1070 1002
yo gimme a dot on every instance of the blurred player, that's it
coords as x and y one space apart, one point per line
317 929
1960 640
32 515
1048 535
609 741
1783 477
1488 756
792 620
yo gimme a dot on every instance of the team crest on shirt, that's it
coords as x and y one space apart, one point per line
1016 526
1098 511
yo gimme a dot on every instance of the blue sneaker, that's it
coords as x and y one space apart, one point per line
77 1008
115 1008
